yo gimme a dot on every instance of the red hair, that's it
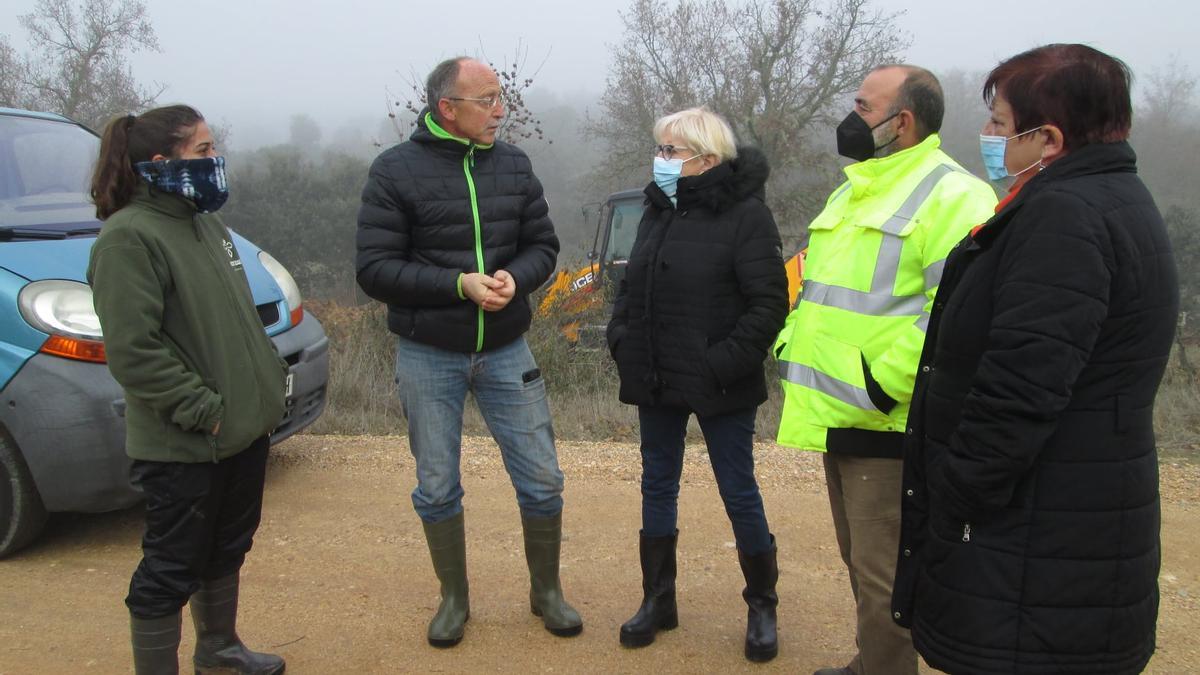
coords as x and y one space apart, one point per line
1082 91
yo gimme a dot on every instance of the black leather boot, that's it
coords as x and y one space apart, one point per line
155 644
447 540
658 611
543 545
761 572
218 648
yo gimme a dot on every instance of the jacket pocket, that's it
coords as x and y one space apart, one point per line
839 374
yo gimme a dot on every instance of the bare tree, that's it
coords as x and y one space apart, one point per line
13 93
79 65
519 124
966 113
1166 125
776 69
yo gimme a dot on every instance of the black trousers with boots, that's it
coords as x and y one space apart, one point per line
200 523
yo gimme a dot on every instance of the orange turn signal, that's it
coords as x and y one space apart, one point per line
72 348
297 315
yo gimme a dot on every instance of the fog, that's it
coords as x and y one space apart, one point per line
253 65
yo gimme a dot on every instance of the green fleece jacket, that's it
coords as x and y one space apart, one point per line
181 332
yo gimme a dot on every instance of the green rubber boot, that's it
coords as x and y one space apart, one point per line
447 540
218 647
155 644
543 542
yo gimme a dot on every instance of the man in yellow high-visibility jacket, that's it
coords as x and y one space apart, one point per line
848 354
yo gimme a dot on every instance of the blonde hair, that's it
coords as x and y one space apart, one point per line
701 130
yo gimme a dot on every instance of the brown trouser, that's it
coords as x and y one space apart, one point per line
864 494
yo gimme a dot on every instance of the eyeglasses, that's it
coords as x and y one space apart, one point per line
488 102
668 151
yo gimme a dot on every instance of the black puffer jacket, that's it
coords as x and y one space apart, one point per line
437 206
1030 537
704 295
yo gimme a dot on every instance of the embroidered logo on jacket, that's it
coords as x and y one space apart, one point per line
234 261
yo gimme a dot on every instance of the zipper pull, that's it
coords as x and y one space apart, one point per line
966 533
471 154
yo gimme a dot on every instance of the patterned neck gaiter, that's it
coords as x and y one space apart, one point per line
201 181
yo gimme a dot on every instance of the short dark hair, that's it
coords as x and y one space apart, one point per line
1081 90
441 81
920 94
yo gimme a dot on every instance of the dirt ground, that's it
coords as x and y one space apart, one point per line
339 580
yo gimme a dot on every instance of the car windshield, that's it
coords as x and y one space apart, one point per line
45 167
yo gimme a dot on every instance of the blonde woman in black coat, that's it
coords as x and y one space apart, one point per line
703 298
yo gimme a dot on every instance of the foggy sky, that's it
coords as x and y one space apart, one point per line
252 64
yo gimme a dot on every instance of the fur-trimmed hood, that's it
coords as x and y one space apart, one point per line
722 186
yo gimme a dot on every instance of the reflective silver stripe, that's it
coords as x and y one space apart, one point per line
887 265
880 301
922 322
904 214
933 273
870 304
808 377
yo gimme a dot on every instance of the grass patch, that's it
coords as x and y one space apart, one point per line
582 385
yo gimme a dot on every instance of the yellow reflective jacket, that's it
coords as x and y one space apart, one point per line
848 352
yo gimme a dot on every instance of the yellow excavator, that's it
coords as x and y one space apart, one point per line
581 299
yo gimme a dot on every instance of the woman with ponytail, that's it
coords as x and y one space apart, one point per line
203 383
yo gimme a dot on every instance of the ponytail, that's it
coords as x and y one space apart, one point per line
131 139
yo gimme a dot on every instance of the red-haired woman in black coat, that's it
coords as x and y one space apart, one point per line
1030 536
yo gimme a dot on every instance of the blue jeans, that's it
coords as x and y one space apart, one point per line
730 441
511 394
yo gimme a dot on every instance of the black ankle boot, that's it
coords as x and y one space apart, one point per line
658 611
761 572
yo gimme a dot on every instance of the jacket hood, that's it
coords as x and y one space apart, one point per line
722 186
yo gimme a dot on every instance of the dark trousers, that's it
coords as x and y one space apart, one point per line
200 523
730 440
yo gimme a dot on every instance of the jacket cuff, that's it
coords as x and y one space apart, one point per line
458 286
212 420
878 396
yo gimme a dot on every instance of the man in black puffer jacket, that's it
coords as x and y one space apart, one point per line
453 235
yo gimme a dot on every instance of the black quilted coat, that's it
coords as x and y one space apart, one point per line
1030 537
704 295
420 226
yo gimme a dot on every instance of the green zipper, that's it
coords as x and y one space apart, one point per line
468 162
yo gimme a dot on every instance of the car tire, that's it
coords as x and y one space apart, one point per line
22 514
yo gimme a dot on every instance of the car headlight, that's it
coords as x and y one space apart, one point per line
283 279
64 310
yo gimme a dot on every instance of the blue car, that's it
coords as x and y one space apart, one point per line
62 427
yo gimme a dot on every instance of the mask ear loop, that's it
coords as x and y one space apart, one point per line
1040 163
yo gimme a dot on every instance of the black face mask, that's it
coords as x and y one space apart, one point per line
855 140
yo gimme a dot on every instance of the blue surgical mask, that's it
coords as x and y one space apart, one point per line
666 174
200 181
992 149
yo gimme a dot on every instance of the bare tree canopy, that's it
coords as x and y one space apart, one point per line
775 69
78 66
